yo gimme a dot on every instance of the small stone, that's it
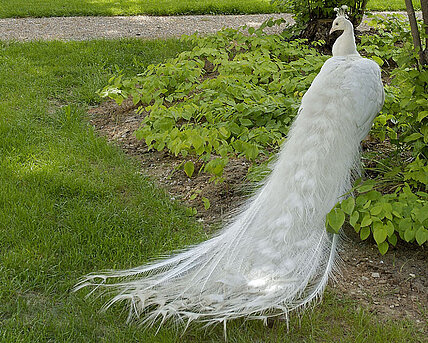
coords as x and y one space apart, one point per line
382 282
391 306
376 302
375 275
404 296
412 275
364 278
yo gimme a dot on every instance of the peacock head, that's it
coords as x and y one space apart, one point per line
341 22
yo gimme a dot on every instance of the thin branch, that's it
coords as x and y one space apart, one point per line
424 8
415 32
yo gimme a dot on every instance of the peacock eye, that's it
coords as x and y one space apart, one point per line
337 23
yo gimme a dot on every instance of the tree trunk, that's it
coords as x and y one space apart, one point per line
318 28
424 8
415 31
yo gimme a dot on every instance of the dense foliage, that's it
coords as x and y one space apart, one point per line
306 10
235 95
232 95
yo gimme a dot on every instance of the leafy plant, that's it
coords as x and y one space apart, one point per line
384 216
306 10
232 95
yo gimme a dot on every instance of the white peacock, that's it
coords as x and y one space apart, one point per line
276 255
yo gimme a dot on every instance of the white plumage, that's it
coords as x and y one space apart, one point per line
276 255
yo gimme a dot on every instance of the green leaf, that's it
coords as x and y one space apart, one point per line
354 218
164 124
421 235
405 224
348 205
412 137
246 122
383 247
378 60
424 130
393 239
224 132
409 235
189 168
376 210
387 210
366 186
335 219
390 229
364 232
206 202
367 220
367 204
197 141
423 214
422 115
357 228
374 195
395 213
191 211
379 233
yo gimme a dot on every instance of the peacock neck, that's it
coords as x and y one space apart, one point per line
345 44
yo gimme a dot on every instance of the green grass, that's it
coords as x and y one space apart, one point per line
49 8
71 203
390 5
24 8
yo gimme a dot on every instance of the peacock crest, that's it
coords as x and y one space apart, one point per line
341 11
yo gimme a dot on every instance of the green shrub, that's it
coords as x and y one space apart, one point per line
232 95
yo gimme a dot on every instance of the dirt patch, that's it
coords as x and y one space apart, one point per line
394 286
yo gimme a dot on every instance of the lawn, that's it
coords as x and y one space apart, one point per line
48 8
72 203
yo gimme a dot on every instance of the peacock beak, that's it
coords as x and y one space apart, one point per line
331 31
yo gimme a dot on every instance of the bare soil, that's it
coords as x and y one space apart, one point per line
394 286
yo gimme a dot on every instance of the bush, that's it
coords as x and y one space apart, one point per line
306 11
232 95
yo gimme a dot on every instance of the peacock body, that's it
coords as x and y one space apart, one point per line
276 255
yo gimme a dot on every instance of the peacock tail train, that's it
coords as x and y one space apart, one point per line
276 255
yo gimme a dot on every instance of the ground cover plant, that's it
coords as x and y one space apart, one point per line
71 203
47 8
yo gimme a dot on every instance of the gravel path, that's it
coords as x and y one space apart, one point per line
84 28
